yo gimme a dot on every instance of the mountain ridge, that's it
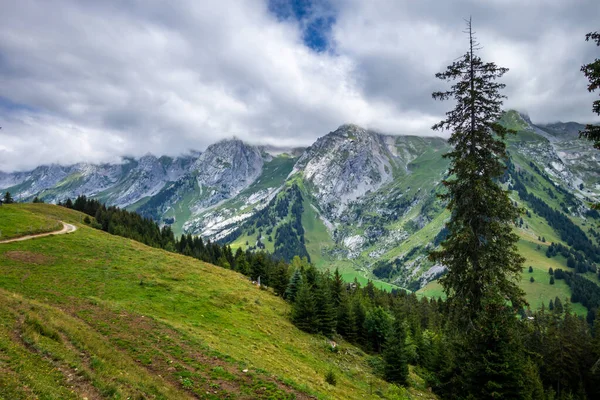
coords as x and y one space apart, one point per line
364 202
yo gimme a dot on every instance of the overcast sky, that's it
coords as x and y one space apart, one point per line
88 80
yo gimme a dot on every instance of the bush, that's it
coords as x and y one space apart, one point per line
331 378
87 220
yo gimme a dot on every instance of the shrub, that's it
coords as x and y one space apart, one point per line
330 377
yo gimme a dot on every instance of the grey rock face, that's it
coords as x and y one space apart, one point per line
225 168
345 165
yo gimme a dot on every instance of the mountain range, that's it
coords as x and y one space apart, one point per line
356 199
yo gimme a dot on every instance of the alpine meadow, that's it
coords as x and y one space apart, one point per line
176 222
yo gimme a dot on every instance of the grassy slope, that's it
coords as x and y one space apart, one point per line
15 221
73 307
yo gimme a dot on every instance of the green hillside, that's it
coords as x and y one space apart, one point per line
15 221
93 315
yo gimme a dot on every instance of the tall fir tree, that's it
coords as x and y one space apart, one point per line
480 251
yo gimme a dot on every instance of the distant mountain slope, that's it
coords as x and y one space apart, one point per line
356 199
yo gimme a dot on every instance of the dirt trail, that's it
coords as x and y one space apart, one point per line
67 228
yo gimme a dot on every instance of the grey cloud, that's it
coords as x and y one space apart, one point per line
103 79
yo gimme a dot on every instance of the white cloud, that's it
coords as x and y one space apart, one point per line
91 81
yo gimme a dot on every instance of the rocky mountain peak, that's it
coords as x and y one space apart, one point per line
346 164
225 168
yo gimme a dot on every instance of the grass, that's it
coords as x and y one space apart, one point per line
316 235
17 222
95 315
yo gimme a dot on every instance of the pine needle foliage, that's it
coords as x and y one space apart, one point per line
480 251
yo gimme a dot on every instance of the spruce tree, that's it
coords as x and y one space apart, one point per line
360 315
280 278
345 319
337 288
558 307
377 324
294 285
325 311
592 73
480 251
304 309
394 356
8 198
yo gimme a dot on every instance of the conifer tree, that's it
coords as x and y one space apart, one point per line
345 319
258 268
480 251
294 285
8 198
394 356
280 278
360 315
325 311
337 288
304 309
592 73
558 307
377 324
241 263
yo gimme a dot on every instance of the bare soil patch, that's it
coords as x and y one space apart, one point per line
28 257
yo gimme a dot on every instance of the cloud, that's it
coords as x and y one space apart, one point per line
93 81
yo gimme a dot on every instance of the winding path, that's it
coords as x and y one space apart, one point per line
67 228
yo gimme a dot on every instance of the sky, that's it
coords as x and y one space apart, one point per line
92 81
